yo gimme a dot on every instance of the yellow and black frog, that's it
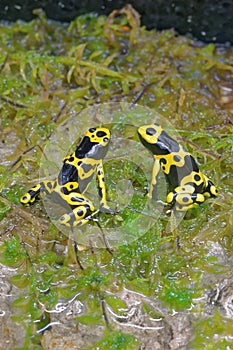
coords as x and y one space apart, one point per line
188 186
72 182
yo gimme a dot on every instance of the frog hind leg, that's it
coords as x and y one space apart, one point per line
210 189
184 198
44 187
78 217
186 201
82 210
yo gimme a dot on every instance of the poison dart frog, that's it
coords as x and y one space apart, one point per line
188 186
76 174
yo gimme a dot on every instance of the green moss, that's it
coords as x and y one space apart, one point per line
13 252
116 341
178 298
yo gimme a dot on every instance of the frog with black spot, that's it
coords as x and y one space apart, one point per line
72 182
188 186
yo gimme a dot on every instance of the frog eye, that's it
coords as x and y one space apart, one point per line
101 133
92 129
106 139
150 131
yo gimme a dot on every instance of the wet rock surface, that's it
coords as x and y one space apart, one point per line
221 297
11 333
168 331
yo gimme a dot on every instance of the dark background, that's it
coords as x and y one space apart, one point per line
207 20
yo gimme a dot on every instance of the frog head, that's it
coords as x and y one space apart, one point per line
94 144
156 140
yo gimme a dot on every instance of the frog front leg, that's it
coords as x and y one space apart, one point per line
42 188
102 189
153 185
82 211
